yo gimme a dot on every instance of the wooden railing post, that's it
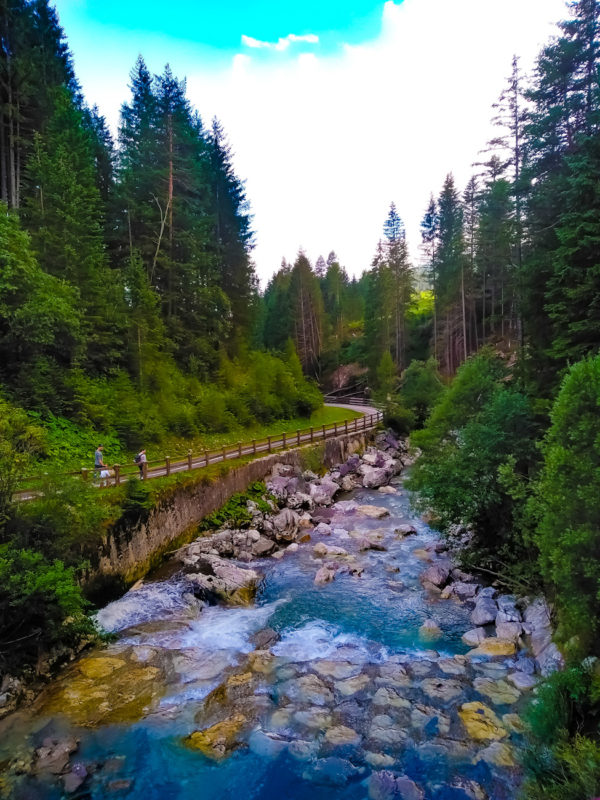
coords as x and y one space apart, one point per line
239 449
85 474
206 458
324 432
312 433
117 469
346 425
224 453
145 470
284 440
365 423
355 423
168 465
254 446
189 459
298 435
269 441
335 429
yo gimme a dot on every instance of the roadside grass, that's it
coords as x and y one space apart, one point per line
177 447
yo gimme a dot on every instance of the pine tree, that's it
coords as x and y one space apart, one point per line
233 234
65 221
401 278
307 314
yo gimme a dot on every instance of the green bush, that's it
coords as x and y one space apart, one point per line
235 513
421 388
400 419
566 504
460 473
41 606
562 757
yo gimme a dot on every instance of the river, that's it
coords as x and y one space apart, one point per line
345 692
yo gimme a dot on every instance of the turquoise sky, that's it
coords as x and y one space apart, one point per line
213 30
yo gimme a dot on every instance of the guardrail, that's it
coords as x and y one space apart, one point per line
31 487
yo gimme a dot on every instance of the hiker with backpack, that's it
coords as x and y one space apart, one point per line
140 460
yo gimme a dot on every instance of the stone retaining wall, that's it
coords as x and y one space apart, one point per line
128 553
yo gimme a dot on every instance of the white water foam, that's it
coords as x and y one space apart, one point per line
321 640
152 601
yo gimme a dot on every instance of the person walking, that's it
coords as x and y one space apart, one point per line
140 460
98 461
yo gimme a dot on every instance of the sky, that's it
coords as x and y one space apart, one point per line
333 109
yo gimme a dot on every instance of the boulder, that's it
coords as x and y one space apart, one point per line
323 492
474 637
384 730
331 771
481 723
374 477
429 720
336 669
220 580
385 785
522 681
300 500
462 590
538 623
264 638
437 574
307 689
324 575
387 490
53 756
286 525
267 744
340 735
375 512
485 611
219 740
74 779
499 692
390 698
262 547
442 689
351 686
493 647
322 529
508 611
405 530
430 629
508 630
497 754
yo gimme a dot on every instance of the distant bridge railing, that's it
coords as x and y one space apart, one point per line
32 487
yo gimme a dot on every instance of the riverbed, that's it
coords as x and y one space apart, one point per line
320 691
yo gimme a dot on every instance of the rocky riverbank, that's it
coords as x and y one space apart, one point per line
331 646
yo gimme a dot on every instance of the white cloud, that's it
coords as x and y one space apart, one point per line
281 44
326 143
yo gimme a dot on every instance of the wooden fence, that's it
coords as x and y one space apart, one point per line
32 486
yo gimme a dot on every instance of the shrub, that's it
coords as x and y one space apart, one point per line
41 606
459 476
562 757
566 504
400 419
421 387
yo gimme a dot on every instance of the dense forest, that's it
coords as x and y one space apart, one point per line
129 306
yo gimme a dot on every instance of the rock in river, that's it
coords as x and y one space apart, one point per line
219 740
499 692
386 785
375 512
481 722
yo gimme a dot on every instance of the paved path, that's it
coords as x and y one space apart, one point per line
277 444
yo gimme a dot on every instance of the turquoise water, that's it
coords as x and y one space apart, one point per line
369 623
